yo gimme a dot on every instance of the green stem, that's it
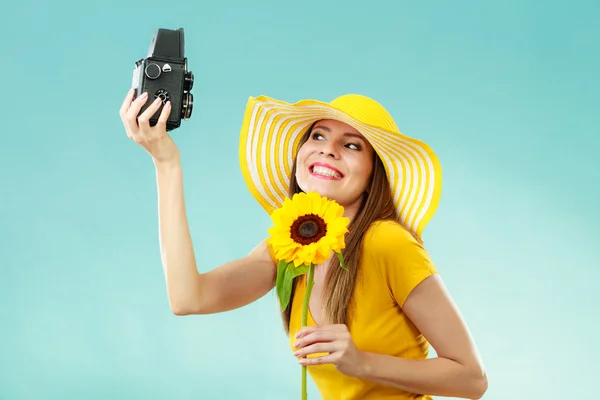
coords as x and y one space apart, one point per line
309 285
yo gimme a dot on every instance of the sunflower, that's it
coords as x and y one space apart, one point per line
307 229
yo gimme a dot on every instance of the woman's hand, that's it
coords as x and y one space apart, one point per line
155 139
332 339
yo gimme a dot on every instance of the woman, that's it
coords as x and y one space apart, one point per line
370 327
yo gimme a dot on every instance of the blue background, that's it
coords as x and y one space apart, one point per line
507 93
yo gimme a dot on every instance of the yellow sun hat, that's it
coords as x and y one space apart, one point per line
272 129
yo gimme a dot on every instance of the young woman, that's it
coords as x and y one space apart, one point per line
369 328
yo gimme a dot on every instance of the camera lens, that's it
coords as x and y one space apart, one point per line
188 82
188 105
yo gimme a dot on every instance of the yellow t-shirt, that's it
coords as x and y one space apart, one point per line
393 263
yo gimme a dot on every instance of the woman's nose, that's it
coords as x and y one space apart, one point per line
330 150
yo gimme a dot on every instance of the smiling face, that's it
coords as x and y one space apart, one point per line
336 161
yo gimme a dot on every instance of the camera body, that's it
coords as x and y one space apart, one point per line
164 73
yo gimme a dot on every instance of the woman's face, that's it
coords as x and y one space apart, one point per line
336 161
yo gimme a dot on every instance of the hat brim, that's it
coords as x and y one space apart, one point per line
270 134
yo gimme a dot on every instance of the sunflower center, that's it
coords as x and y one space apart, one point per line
308 229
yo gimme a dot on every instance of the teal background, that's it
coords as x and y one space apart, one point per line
507 93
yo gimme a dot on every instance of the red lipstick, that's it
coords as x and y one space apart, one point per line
324 165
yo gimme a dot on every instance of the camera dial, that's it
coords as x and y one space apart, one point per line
163 94
152 71
188 81
188 105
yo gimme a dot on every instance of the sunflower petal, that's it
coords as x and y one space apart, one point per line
326 203
315 202
303 202
330 213
338 227
290 208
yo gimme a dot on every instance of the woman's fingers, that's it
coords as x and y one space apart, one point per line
126 104
134 110
144 119
123 111
131 117
325 347
164 115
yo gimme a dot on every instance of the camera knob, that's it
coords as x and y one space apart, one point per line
152 71
163 94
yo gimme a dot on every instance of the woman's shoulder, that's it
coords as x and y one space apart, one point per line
390 242
401 260
388 235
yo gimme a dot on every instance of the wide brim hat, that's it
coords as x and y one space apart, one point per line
271 131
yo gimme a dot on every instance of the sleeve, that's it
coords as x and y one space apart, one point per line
401 260
271 251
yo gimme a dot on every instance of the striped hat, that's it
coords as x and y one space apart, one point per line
272 129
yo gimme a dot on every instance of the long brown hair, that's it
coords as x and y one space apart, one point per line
377 204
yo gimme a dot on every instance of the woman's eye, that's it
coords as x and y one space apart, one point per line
317 136
353 146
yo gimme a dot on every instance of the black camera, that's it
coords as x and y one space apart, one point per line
164 73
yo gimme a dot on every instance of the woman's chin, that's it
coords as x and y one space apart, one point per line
322 191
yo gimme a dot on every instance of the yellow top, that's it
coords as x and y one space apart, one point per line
393 263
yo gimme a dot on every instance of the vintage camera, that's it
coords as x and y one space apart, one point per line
164 73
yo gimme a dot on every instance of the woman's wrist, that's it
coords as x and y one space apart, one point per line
167 164
366 366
